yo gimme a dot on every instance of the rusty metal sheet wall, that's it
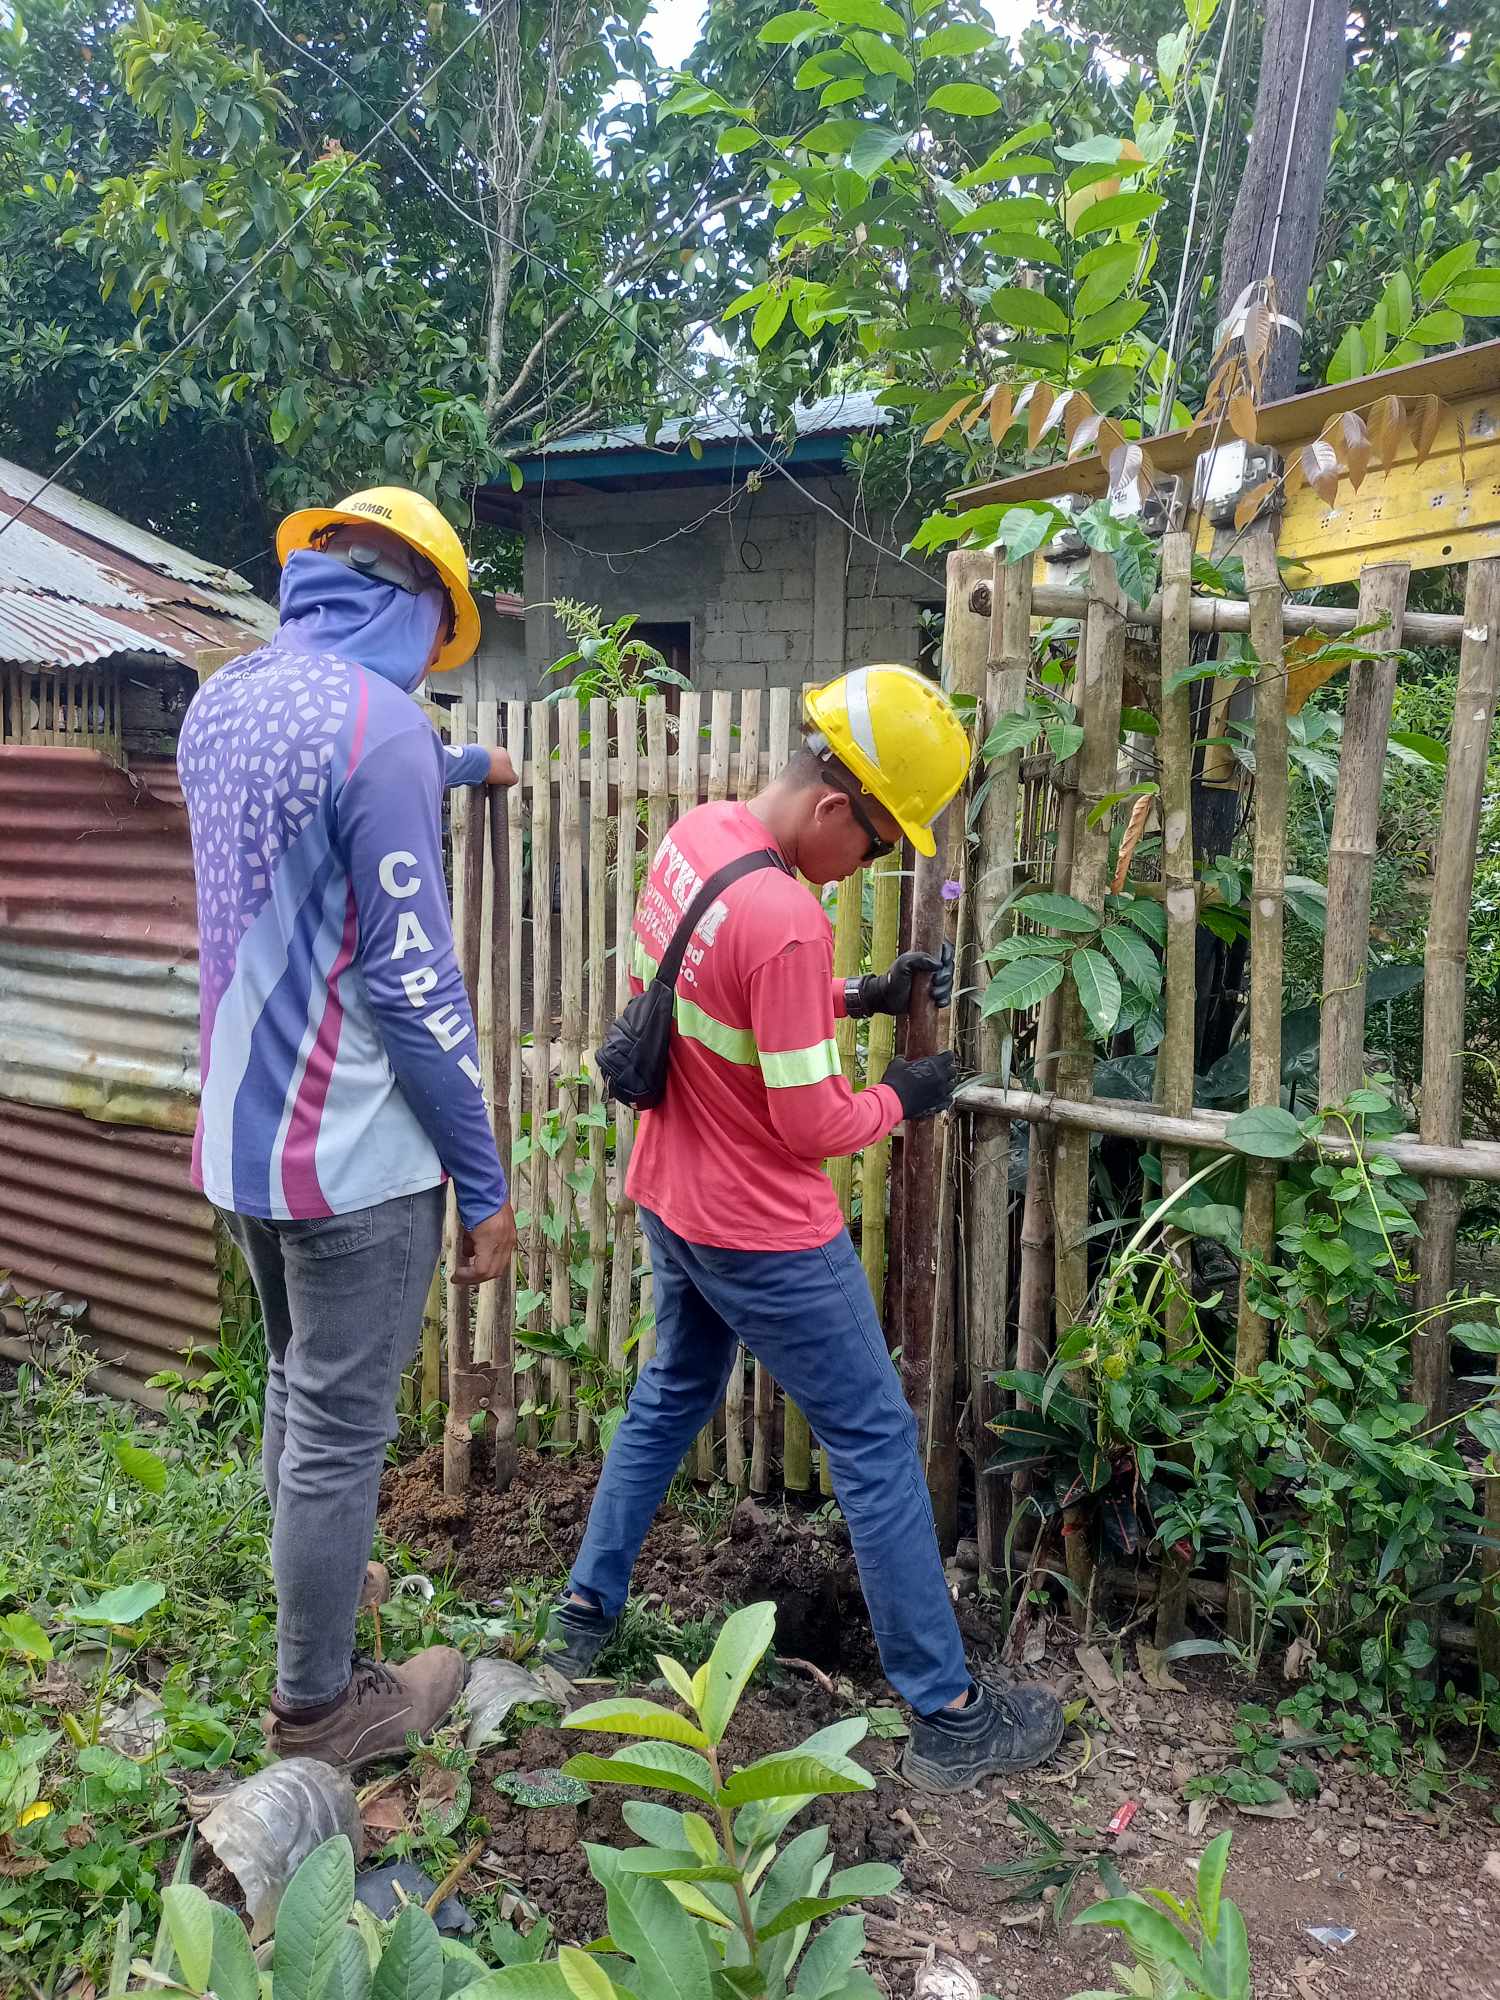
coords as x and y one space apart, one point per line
108 1214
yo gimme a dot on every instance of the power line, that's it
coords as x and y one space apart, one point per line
322 194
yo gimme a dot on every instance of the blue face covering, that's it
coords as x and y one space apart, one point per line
326 607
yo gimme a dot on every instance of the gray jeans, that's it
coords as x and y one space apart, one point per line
342 1300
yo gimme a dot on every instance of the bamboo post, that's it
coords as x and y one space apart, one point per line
465 1387
627 846
504 951
487 733
1098 692
1006 669
1351 845
1174 1063
570 859
432 1344
598 1014
746 785
700 1461
927 1330
796 1440
515 817
539 1159
1267 897
1443 1030
875 1161
1267 894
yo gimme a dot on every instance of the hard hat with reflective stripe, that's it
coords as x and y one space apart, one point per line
900 736
421 527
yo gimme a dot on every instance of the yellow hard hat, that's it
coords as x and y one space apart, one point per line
900 736
422 527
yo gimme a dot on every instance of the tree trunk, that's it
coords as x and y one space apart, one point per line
1273 231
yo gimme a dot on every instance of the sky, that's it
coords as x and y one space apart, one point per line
674 24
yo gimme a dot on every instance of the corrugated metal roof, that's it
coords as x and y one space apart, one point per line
848 412
108 1214
78 585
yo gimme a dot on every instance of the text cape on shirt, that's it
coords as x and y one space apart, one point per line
756 1099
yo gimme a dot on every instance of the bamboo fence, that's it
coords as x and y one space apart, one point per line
545 879
76 708
1057 845
975 1273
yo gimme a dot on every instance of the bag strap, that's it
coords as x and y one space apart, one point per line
746 864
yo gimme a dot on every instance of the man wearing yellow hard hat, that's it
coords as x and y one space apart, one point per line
747 1240
341 1086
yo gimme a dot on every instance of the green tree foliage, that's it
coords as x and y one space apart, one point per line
514 256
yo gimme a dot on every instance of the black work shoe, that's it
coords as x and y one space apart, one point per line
999 1730
583 1633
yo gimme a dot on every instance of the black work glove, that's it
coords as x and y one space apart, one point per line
924 1086
890 992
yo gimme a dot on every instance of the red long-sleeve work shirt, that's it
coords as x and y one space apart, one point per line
755 1099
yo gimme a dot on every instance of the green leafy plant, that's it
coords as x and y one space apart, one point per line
605 661
1057 1863
712 1895
1182 1950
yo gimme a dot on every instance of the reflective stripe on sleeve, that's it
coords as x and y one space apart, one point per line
786 1069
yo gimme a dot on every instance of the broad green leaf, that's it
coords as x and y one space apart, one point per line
127 1604
700 1837
830 1957
1022 530
869 1878
675 1864
795 26
1011 732
1226 1960
738 1651
1107 279
1098 987
964 100
765 1820
1211 1883
1117 211
232 1974
1420 749
189 1917
20 1633
627 1716
411 1966
793 1774
769 317
864 14
1134 957
1147 916
732 311
957 38
1102 327
1473 1334
1014 305
1022 984
665 1767
648 1924
1435 279
677 1678
586 1978
880 57
1200 14
1010 211
310 1920
350 1977
1437 329
875 145
803 1910
518 1982
1150 1930
1266 1132
1057 912
662 1826
1477 295
1218 1221
1065 739
739 139
143 1466
837 135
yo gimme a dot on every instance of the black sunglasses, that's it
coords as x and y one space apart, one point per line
879 845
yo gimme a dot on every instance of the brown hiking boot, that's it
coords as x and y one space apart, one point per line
376 1713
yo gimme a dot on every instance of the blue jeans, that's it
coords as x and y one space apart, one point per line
342 1301
808 1315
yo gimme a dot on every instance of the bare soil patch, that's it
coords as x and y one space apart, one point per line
1413 1886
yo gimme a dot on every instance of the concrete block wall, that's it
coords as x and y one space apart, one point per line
775 590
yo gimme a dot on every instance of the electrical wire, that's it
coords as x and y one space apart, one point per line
1291 138
322 194
1169 388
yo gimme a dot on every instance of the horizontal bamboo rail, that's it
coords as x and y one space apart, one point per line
1476 1160
1232 614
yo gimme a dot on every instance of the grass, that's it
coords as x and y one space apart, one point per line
136 1559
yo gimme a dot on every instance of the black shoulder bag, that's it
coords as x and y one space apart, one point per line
632 1058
